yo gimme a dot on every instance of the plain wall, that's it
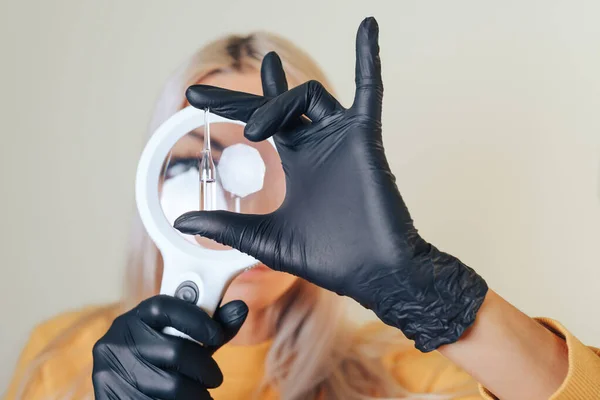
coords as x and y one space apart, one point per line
491 125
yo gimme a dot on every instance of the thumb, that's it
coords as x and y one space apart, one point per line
240 231
231 316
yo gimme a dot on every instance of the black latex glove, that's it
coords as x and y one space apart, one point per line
343 224
135 360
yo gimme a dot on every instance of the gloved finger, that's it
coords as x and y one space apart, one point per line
109 385
275 83
231 316
272 75
231 229
170 385
369 85
310 99
181 355
224 102
162 311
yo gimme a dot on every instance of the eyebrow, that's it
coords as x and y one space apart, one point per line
214 144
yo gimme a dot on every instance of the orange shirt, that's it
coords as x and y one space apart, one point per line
243 366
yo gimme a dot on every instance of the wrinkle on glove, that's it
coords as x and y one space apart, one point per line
343 224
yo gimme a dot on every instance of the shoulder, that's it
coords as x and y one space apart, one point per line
58 347
90 315
413 370
84 323
70 330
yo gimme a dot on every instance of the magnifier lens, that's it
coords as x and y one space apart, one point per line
248 177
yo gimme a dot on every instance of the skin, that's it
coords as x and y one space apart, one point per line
509 353
505 350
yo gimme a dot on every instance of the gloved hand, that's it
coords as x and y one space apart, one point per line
135 360
343 224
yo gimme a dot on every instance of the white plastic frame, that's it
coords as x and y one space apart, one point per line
211 270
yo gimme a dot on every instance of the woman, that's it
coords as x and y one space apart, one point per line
295 342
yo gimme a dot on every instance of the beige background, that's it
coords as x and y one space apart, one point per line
492 126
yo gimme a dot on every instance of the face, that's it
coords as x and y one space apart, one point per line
259 287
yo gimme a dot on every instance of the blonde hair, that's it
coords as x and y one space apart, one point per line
315 351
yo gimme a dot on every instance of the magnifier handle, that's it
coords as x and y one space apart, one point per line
174 332
195 285
186 292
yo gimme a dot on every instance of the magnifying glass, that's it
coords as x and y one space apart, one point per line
248 178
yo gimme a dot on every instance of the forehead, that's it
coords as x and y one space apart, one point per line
247 81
